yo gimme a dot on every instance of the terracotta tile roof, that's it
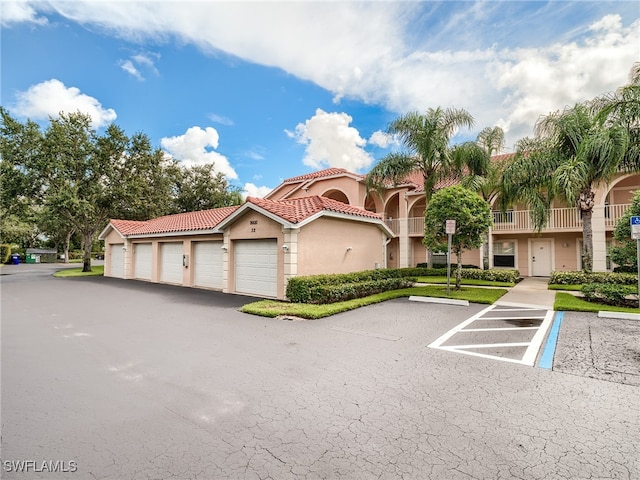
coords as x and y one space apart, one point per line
328 172
127 227
181 222
295 210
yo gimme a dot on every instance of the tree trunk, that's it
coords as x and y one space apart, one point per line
587 241
586 204
67 241
458 268
88 241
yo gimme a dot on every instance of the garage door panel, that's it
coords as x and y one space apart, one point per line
117 260
256 267
142 261
171 262
207 264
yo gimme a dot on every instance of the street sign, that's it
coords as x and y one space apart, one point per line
635 228
450 226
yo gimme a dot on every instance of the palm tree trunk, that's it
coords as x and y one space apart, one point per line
586 203
587 241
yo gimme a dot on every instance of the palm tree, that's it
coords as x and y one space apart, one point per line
571 154
426 140
623 108
487 180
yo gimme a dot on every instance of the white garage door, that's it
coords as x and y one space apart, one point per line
171 262
142 261
256 267
117 260
207 264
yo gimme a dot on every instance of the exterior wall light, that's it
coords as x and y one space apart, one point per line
285 247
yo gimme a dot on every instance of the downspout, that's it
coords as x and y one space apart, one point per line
385 243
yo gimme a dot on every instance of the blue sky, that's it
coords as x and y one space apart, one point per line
272 90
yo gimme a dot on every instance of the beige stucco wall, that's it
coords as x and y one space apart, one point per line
323 247
351 188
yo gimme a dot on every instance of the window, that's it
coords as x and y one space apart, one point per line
504 254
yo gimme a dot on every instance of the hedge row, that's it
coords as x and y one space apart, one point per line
311 289
323 294
579 278
611 294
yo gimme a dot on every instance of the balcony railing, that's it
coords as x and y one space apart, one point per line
520 220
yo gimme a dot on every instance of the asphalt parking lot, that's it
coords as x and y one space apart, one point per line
130 380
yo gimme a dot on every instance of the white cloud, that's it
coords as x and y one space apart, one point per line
382 139
251 190
404 55
221 119
129 67
195 147
539 81
135 65
331 142
49 98
18 12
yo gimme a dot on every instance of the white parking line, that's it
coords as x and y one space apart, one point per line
532 346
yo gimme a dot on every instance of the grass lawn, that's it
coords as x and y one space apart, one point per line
569 303
96 270
465 281
557 286
274 308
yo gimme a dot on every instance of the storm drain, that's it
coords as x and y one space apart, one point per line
508 333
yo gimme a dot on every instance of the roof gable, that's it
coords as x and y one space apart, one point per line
296 210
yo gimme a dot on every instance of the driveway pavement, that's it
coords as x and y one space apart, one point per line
129 380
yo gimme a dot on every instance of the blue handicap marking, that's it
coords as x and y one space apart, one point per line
635 220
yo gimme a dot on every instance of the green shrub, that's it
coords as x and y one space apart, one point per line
611 294
323 294
5 252
307 289
625 269
578 278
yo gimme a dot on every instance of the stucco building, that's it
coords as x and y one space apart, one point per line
327 222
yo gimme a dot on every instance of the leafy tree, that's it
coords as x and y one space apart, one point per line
20 148
625 251
200 188
473 219
571 155
426 139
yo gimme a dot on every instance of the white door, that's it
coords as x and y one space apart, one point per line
142 261
541 258
256 267
117 260
207 264
171 262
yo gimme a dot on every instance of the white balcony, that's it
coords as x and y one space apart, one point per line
560 219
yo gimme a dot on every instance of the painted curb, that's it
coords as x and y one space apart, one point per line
619 315
449 301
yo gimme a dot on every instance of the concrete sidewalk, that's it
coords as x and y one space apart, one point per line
531 291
